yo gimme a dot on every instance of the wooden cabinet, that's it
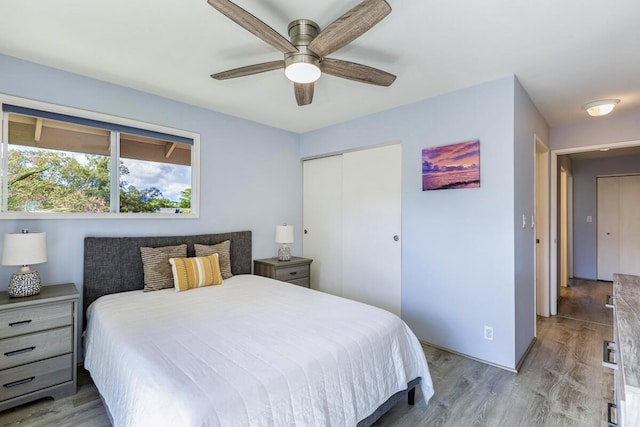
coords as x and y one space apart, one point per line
38 342
622 353
296 271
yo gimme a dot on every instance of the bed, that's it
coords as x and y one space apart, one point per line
251 351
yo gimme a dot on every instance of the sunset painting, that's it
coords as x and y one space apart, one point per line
451 166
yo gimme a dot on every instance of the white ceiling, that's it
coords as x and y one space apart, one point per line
565 53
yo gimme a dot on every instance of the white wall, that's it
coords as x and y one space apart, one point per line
251 175
457 245
528 122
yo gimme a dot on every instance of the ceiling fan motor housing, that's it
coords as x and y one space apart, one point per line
301 32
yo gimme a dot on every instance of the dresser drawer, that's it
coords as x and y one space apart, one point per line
29 348
32 319
289 273
35 376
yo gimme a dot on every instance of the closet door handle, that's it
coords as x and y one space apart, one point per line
396 238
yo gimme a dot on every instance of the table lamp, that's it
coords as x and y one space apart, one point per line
24 249
284 235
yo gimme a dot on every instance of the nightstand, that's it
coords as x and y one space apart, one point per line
296 271
38 343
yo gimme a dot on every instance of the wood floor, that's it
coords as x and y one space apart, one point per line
561 383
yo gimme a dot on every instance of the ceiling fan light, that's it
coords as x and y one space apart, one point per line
302 72
600 108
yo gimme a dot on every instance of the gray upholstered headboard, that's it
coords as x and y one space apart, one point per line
114 264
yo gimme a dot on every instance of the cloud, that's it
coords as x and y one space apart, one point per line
170 179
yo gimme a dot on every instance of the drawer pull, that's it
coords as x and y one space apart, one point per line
612 408
21 351
19 382
293 273
609 350
21 323
609 302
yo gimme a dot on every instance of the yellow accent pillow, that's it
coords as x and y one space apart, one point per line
195 272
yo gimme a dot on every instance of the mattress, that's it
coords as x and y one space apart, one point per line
252 351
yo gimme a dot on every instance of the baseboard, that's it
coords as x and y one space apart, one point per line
448 350
526 353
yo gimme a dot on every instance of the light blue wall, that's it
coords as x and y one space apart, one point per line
585 241
618 127
457 245
251 175
528 122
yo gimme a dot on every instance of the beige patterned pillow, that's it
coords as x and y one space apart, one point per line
156 266
224 256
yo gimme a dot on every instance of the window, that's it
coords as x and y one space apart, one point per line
59 163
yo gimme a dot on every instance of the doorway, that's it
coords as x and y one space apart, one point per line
593 151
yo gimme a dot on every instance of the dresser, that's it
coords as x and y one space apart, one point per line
38 342
623 353
296 271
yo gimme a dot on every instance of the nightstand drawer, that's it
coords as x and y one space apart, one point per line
32 319
35 376
29 348
294 272
303 281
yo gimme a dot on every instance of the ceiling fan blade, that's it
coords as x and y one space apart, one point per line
304 93
248 70
253 25
357 72
349 26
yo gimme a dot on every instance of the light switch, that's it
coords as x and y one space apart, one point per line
589 218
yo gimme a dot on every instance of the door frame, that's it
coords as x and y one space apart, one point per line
553 206
541 203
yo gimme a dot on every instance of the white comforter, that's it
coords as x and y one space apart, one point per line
252 351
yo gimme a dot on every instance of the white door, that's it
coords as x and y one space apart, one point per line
629 216
351 214
608 223
322 219
371 201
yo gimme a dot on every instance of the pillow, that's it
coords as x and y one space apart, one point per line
195 272
156 267
224 256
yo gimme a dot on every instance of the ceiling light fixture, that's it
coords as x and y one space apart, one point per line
600 108
302 68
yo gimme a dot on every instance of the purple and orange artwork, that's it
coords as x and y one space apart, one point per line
451 166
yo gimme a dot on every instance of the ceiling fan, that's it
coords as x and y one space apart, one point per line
305 55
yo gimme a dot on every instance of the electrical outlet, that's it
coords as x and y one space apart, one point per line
488 333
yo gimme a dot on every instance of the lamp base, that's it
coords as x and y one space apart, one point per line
24 284
284 253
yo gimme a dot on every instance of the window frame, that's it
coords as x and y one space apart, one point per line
90 115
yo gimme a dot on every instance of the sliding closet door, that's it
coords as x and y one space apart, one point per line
618 226
371 201
322 222
608 197
351 214
629 224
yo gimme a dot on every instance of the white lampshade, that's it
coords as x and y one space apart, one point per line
284 233
24 248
